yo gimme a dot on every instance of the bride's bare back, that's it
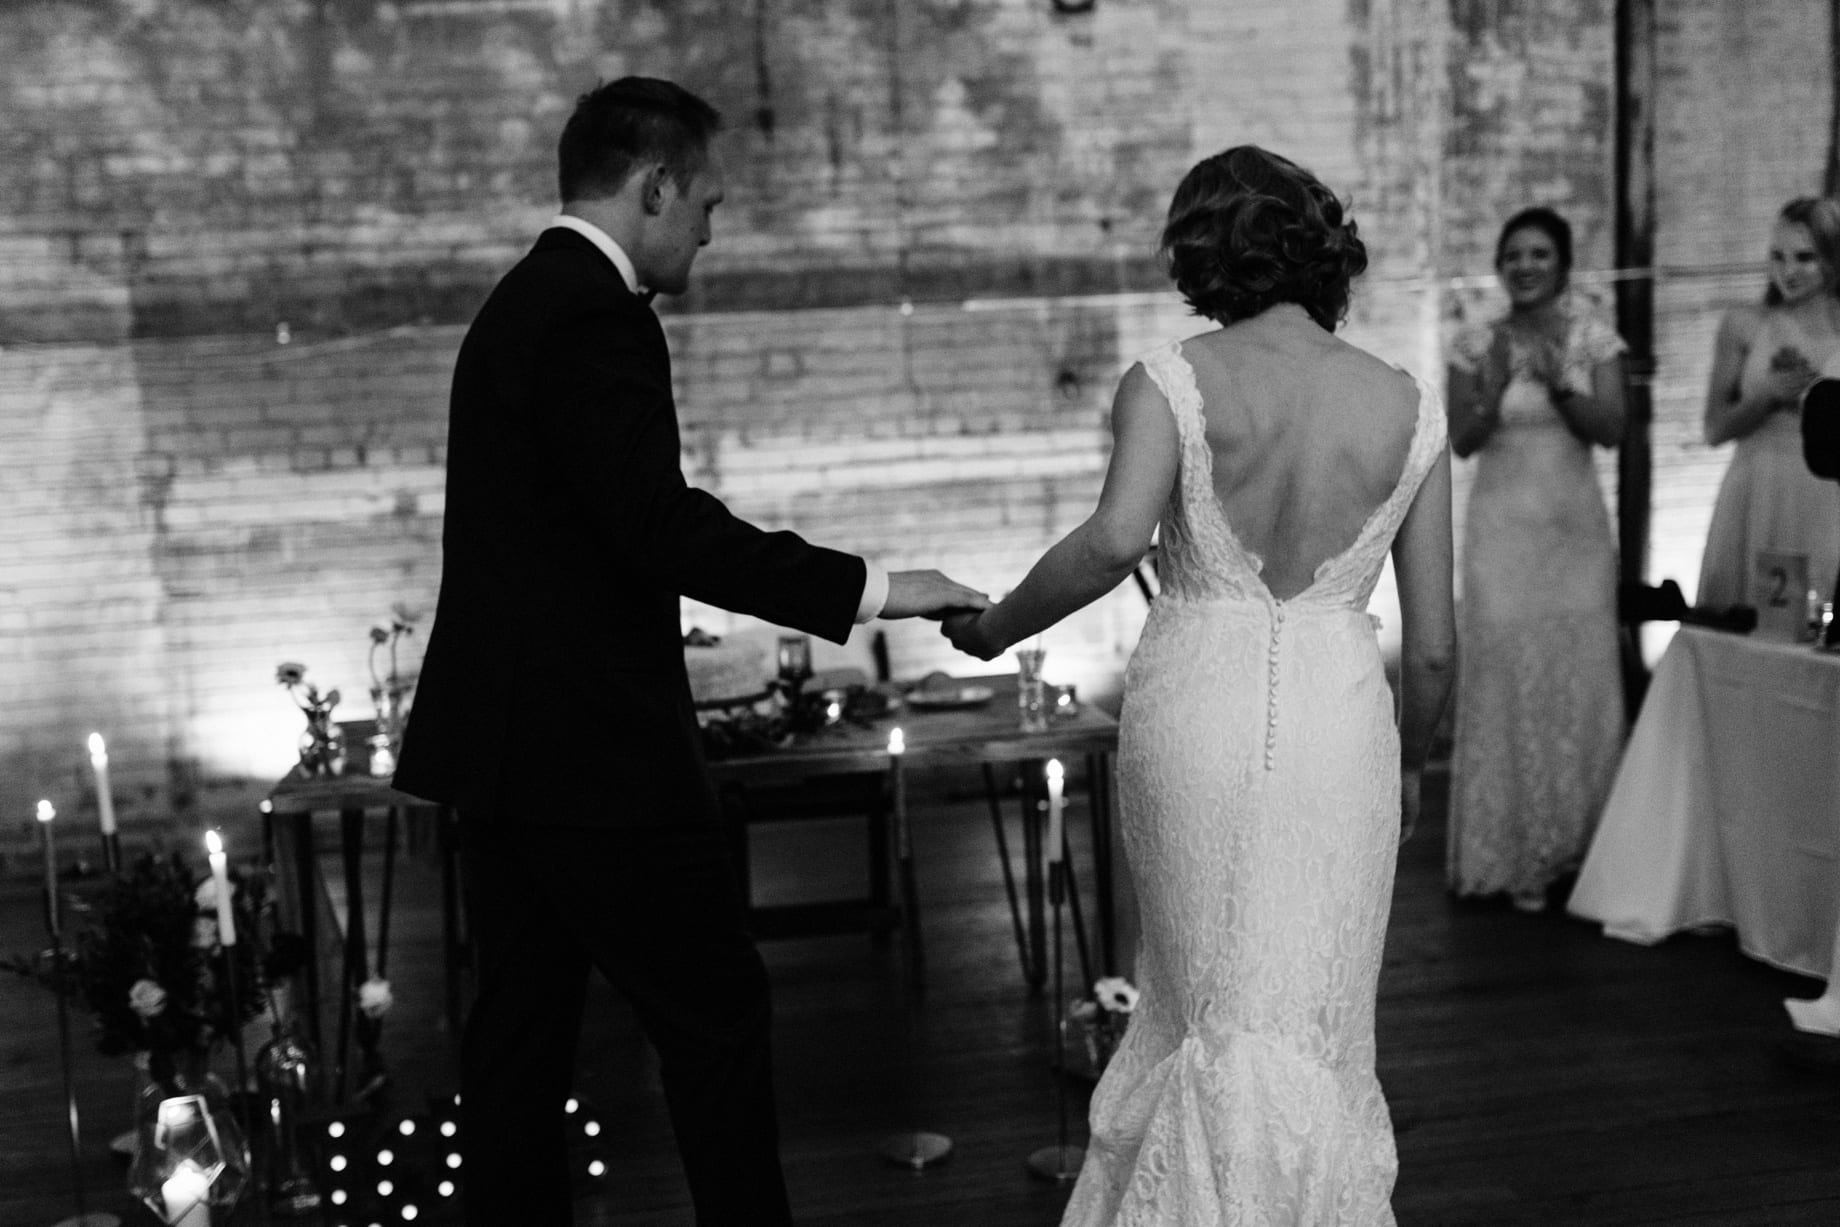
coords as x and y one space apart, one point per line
1308 433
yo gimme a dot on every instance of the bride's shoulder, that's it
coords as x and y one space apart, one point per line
1384 378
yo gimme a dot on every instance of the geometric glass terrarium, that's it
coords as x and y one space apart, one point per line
185 1166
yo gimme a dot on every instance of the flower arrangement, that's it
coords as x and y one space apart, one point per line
1102 1017
390 691
322 746
150 968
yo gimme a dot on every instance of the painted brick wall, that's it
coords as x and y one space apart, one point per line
239 245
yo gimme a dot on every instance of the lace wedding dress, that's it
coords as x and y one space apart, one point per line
1259 793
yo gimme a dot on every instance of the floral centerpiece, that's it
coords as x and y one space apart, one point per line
390 691
322 746
1100 1019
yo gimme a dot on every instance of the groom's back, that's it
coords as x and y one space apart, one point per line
1309 435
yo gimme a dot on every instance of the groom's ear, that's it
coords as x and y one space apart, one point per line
651 190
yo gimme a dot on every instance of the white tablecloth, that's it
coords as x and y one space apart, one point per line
1726 809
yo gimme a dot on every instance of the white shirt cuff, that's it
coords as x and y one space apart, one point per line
874 593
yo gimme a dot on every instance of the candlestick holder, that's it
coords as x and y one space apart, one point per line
1060 1162
54 929
914 1149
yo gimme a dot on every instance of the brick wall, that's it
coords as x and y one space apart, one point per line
239 244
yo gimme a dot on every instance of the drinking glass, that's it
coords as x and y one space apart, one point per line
1031 702
794 659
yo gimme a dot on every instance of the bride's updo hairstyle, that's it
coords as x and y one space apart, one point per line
1248 229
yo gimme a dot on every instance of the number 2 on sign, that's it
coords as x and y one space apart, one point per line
1779 586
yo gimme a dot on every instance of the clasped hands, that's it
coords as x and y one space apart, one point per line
957 608
1543 362
1789 375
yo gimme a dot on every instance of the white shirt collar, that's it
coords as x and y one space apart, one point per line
604 242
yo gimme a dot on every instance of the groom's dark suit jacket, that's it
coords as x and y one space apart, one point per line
554 686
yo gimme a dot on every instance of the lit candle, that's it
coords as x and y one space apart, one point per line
220 873
1056 837
105 803
184 1194
45 815
897 747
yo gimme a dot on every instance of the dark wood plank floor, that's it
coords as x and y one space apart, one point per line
1538 1073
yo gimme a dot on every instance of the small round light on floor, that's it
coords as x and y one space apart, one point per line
572 1105
448 1128
385 1188
409 1212
592 1128
407 1128
337 1163
338 1197
385 1158
336 1129
453 1160
445 1188
597 1168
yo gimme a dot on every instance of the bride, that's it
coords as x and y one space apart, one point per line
1265 780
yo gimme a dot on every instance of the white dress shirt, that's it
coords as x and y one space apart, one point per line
875 577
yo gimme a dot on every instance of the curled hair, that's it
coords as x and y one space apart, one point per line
1820 217
1248 229
622 125
1549 223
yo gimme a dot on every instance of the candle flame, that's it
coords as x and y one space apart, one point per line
45 812
897 742
1055 770
97 750
213 843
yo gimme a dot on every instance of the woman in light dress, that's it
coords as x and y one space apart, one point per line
1265 779
1765 356
1539 723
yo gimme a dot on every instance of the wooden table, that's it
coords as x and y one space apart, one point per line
355 796
985 736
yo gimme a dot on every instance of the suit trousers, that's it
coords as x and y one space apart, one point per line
659 912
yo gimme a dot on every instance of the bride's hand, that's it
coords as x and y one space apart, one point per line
971 636
1409 786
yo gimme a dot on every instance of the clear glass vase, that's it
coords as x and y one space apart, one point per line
191 1160
288 1082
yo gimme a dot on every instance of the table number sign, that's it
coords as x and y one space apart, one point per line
1779 589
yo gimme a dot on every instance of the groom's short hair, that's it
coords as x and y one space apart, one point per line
624 124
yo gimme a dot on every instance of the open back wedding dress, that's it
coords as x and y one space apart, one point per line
1259 793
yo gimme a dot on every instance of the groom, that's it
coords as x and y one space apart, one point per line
553 711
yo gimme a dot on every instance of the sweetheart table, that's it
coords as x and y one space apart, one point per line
1726 809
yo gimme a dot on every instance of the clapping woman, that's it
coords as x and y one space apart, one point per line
1539 721
1766 355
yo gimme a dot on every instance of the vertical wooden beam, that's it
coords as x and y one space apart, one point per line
1830 182
1635 296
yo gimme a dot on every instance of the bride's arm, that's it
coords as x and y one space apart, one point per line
1422 567
1098 555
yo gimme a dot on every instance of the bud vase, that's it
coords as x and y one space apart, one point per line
287 1076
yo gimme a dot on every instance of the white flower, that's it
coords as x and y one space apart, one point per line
204 932
205 897
147 999
374 997
1116 994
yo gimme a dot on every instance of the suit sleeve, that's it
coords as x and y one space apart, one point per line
612 427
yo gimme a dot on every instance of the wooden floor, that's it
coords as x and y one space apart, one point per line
1538 1073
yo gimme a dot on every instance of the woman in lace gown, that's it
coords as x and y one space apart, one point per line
1262 770
1765 356
1539 724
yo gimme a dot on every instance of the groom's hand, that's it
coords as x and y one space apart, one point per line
928 594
